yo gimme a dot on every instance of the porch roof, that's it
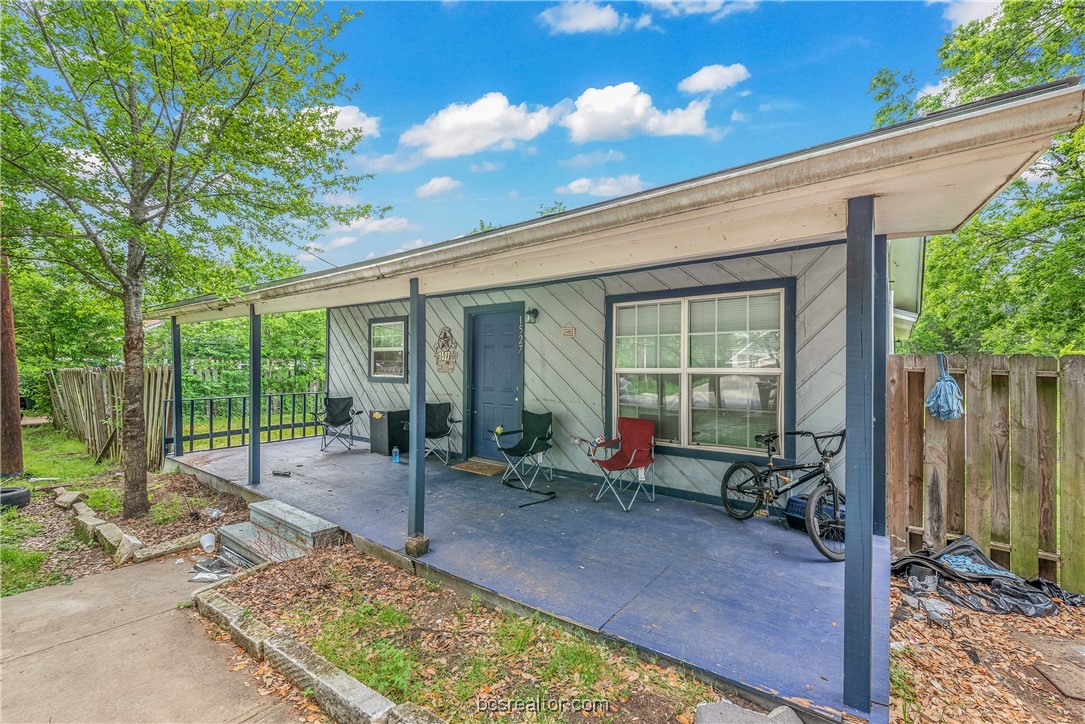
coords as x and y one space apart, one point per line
928 175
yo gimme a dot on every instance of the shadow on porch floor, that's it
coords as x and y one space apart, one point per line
751 602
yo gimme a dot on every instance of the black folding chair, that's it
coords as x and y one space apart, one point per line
528 455
336 421
439 428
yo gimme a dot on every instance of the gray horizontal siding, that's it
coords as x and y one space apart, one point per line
565 375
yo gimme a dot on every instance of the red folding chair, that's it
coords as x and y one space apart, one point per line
629 466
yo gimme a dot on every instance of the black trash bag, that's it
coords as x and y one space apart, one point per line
985 569
1052 590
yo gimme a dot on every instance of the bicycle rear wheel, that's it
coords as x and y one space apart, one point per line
740 491
825 521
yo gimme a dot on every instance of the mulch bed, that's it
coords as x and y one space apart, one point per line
455 641
978 669
196 498
67 555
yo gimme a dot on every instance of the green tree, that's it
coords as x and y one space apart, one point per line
483 225
1013 278
160 148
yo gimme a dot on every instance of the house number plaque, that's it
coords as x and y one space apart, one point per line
445 350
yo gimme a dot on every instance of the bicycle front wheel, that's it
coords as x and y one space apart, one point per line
825 521
740 491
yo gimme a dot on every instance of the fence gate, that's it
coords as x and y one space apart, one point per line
1010 473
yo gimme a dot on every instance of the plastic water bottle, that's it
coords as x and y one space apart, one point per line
395 454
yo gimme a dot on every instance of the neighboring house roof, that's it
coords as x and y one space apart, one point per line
906 264
929 175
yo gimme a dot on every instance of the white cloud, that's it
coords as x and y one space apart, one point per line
340 241
595 158
350 117
743 94
717 9
960 12
714 78
436 186
485 167
399 160
780 104
586 16
620 111
383 225
605 186
512 195
739 117
410 245
490 122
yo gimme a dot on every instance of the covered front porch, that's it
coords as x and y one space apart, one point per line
750 603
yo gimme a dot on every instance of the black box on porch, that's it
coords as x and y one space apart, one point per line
388 429
796 512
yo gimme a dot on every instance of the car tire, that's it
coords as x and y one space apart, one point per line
14 497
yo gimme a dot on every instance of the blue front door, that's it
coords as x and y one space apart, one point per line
497 369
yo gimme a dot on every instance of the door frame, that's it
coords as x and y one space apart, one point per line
469 314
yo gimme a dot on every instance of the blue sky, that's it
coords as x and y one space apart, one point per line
485 111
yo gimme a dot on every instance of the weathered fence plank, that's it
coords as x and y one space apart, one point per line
955 501
896 427
1024 467
1072 473
978 450
935 467
1047 432
914 450
1000 439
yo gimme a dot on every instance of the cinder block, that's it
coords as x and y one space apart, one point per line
109 536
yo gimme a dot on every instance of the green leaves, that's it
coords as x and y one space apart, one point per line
1012 279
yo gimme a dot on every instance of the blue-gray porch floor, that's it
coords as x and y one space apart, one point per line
750 602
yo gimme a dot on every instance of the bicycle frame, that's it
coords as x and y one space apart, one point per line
820 468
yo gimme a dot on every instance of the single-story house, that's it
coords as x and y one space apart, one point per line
759 298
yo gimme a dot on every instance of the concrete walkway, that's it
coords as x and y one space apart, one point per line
114 647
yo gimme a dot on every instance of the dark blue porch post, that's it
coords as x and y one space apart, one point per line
254 396
881 349
416 374
178 423
859 418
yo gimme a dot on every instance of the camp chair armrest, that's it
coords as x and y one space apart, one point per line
505 432
633 458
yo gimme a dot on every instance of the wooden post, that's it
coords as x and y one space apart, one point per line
859 417
1024 467
178 418
978 450
955 456
1072 473
896 469
11 431
254 396
935 467
416 362
917 418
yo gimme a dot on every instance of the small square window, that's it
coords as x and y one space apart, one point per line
388 349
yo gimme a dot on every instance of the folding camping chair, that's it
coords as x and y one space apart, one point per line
528 455
336 422
439 427
629 466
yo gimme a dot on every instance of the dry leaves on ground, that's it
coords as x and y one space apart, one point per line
978 670
269 682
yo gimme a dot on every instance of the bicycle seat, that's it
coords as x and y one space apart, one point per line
767 437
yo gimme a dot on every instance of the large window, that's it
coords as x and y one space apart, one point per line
708 370
388 349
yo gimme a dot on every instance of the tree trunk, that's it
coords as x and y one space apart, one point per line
133 421
11 432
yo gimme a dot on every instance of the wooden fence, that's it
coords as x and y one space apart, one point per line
88 402
1010 473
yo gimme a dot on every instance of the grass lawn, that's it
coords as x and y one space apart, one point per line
416 640
51 453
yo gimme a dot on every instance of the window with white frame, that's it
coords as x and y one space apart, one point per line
387 349
708 370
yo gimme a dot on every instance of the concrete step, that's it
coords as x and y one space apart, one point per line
256 544
294 525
